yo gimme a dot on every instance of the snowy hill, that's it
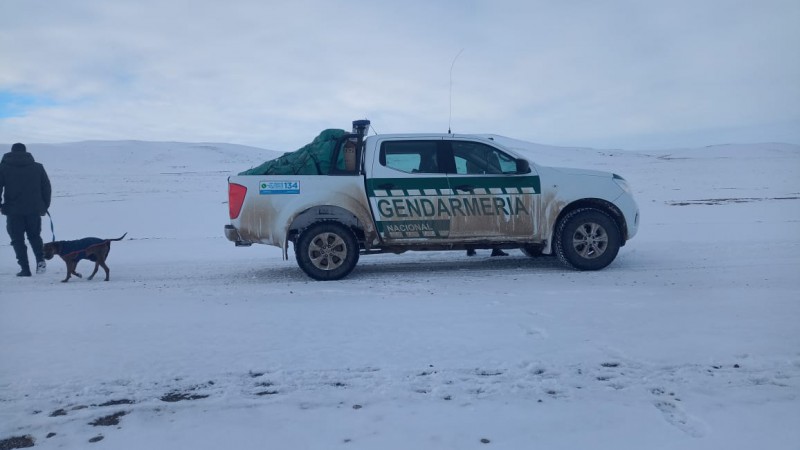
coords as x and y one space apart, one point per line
147 157
688 340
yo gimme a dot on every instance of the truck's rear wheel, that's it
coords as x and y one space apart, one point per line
327 251
587 239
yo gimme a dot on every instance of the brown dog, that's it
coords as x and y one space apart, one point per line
91 248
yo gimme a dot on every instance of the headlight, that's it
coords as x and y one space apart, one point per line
622 183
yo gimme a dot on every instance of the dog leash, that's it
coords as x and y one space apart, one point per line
52 230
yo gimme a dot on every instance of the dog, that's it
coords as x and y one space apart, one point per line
91 248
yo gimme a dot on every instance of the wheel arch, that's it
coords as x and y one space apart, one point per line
323 213
601 205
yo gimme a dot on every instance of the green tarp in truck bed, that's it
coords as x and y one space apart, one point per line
312 159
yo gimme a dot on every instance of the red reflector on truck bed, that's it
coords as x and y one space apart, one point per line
236 193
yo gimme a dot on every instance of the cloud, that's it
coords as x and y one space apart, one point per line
274 73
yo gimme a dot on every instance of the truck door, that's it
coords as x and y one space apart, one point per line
407 189
490 198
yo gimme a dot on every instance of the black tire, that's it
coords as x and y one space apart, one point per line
327 251
587 239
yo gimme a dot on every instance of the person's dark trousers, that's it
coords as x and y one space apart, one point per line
20 225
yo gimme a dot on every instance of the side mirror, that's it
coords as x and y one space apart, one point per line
523 166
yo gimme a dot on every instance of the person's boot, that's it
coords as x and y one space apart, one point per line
25 272
498 252
470 252
41 267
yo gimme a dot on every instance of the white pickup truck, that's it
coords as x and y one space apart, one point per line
393 193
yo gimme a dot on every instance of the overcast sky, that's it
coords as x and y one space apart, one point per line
635 74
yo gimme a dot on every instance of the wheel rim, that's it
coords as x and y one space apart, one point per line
327 251
590 240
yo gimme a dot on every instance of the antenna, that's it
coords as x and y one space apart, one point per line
450 119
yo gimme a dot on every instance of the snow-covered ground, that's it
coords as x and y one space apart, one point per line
689 340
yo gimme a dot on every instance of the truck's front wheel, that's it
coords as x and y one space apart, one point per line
587 239
327 251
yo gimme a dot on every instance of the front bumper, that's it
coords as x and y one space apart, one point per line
627 205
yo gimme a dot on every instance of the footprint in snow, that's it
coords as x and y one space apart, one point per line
675 415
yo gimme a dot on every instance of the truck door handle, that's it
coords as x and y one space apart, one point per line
386 186
465 187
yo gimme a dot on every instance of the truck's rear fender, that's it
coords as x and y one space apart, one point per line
596 203
361 226
268 216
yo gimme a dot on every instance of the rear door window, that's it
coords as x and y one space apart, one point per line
411 156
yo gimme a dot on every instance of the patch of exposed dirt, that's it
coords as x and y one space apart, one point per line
186 394
267 392
123 401
16 442
177 396
107 421
727 201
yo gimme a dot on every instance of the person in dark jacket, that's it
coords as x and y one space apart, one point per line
26 191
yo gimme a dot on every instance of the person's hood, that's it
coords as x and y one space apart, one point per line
18 159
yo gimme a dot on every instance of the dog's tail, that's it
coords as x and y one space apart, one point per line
119 238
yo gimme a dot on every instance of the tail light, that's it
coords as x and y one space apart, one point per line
236 193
